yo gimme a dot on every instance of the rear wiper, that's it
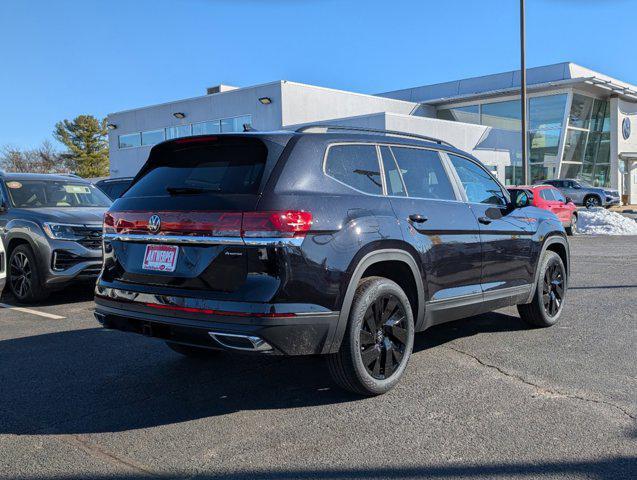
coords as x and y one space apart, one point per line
188 190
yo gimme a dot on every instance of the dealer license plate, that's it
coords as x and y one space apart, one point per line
162 258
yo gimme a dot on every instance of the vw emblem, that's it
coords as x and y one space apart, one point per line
154 224
626 128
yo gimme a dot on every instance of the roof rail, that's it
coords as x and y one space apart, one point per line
395 133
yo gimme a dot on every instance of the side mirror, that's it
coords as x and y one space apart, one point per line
520 198
568 200
3 207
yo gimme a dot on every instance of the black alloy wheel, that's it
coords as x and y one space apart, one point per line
21 275
383 337
592 202
553 289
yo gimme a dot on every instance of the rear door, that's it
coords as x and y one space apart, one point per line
505 233
179 226
562 210
436 221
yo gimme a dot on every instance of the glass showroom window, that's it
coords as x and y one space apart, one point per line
178 131
502 115
130 141
152 137
587 146
546 115
467 114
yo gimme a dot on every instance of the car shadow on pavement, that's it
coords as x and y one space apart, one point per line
618 467
96 380
75 293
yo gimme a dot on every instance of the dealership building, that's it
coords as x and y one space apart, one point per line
579 121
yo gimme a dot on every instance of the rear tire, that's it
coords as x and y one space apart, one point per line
546 307
191 351
378 340
572 228
24 277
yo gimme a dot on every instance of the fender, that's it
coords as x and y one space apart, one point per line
550 240
368 260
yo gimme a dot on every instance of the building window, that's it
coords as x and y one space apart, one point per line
546 115
587 146
235 124
206 128
152 137
502 115
178 131
129 141
467 114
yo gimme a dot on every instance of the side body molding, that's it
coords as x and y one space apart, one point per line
368 260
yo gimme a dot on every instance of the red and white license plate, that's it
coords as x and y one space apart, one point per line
162 258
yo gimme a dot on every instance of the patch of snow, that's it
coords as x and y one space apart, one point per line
600 221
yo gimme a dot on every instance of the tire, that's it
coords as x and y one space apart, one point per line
572 228
24 277
537 313
191 351
592 201
372 340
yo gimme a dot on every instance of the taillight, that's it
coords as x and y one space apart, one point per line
288 223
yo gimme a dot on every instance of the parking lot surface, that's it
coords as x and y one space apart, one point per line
485 397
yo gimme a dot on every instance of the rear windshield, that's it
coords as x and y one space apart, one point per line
228 166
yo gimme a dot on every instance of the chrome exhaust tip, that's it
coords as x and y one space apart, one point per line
246 343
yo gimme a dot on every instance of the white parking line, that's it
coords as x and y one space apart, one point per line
33 312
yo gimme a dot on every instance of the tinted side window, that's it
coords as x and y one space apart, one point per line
558 196
393 178
478 184
423 173
356 166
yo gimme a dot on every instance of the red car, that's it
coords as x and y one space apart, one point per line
551 199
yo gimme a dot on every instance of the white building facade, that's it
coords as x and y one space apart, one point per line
580 121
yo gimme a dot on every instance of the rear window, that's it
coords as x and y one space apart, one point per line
228 166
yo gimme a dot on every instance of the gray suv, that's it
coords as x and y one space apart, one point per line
51 226
584 194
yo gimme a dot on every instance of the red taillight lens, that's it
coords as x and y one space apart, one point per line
288 223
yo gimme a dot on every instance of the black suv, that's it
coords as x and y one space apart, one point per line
322 241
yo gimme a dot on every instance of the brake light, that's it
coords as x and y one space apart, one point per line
286 223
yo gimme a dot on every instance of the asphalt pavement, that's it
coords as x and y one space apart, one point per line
485 397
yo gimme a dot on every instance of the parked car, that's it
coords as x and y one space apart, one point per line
3 267
550 198
114 187
584 194
52 229
322 241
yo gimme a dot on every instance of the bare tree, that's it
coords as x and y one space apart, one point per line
43 159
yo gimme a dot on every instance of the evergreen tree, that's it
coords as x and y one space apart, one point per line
86 140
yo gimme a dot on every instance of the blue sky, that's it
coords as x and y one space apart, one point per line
62 58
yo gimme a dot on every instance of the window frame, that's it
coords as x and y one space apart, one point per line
444 160
463 192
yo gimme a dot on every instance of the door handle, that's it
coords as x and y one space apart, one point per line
417 218
484 220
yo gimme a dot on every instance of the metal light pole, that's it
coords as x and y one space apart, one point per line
525 165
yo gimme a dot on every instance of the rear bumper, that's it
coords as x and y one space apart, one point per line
303 334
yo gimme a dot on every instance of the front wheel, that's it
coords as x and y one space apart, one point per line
378 340
24 276
548 302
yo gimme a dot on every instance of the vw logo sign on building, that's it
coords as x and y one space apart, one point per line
154 224
626 128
